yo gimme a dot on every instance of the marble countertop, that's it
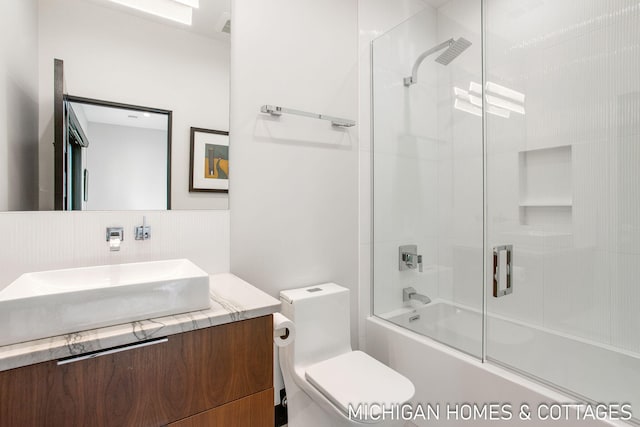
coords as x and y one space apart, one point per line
232 299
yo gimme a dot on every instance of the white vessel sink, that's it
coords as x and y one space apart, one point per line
49 303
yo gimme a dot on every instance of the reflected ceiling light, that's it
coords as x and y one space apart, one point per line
467 107
475 88
497 89
461 93
167 9
500 97
505 92
195 4
498 111
503 103
476 101
466 96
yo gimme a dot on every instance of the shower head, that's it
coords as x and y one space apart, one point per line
454 48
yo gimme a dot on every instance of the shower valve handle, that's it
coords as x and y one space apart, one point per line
409 258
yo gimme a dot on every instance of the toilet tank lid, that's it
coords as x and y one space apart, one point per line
292 295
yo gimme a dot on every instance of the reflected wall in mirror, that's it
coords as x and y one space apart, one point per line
118 156
112 53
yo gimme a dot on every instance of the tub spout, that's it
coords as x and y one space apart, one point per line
410 293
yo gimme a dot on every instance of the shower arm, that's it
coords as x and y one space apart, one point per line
413 79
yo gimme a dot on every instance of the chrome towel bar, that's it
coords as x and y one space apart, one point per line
278 111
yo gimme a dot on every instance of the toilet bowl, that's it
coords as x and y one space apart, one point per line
327 383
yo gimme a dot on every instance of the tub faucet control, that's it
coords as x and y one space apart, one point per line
408 258
410 293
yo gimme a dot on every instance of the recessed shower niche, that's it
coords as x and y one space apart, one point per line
545 186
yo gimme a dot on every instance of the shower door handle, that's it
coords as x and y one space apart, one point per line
502 270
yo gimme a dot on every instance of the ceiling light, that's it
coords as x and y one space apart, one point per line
167 9
195 4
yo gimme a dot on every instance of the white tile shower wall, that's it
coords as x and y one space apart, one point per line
168 68
36 241
577 64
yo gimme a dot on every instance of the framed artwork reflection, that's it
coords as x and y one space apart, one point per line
209 162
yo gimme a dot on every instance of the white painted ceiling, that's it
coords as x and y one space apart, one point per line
205 19
435 3
120 117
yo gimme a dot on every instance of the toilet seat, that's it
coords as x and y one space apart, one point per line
357 378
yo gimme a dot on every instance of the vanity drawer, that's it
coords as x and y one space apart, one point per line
252 411
151 385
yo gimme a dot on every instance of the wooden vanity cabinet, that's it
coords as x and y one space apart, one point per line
217 376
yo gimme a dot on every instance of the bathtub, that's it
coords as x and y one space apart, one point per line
446 378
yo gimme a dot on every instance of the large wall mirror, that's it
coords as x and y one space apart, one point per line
134 82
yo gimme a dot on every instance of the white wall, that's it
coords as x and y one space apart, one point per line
36 241
18 105
127 167
294 182
115 56
294 187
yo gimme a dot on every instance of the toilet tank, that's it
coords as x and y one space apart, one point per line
321 317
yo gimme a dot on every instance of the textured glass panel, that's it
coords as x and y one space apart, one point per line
563 186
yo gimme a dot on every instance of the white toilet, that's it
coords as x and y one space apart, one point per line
323 376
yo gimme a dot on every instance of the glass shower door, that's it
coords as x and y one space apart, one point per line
562 132
427 175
